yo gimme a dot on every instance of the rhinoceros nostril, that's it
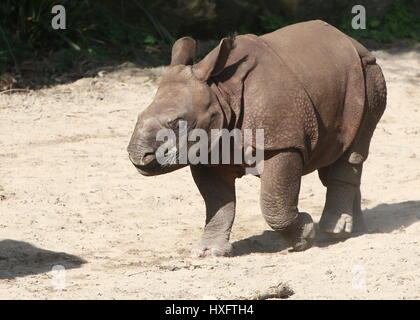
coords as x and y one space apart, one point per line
149 157
142 159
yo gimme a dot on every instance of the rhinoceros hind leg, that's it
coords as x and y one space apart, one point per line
339 222
342 213
342 204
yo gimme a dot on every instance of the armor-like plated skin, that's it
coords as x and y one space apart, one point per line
317 93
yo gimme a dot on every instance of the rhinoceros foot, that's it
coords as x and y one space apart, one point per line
301 235
337 224
215 248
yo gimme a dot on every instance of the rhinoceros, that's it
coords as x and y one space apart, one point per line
318 95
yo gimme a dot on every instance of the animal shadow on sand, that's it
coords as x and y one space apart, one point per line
384 218
20 259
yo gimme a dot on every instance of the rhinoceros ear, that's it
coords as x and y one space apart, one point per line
215 61
184 51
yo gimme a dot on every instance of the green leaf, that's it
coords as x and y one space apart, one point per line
149 39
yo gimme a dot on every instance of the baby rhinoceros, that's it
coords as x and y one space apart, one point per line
317 94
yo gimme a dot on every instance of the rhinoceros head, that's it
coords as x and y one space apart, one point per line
183 95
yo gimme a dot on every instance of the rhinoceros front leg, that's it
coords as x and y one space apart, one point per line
217 186
280 185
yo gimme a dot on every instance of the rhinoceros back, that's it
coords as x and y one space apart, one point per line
328 67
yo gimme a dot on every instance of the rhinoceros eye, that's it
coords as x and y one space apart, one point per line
174 123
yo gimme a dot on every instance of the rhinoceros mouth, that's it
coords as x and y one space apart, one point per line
149 166
154 169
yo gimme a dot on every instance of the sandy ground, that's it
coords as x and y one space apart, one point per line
70 197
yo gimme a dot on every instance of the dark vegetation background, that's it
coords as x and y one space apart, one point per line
109 32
